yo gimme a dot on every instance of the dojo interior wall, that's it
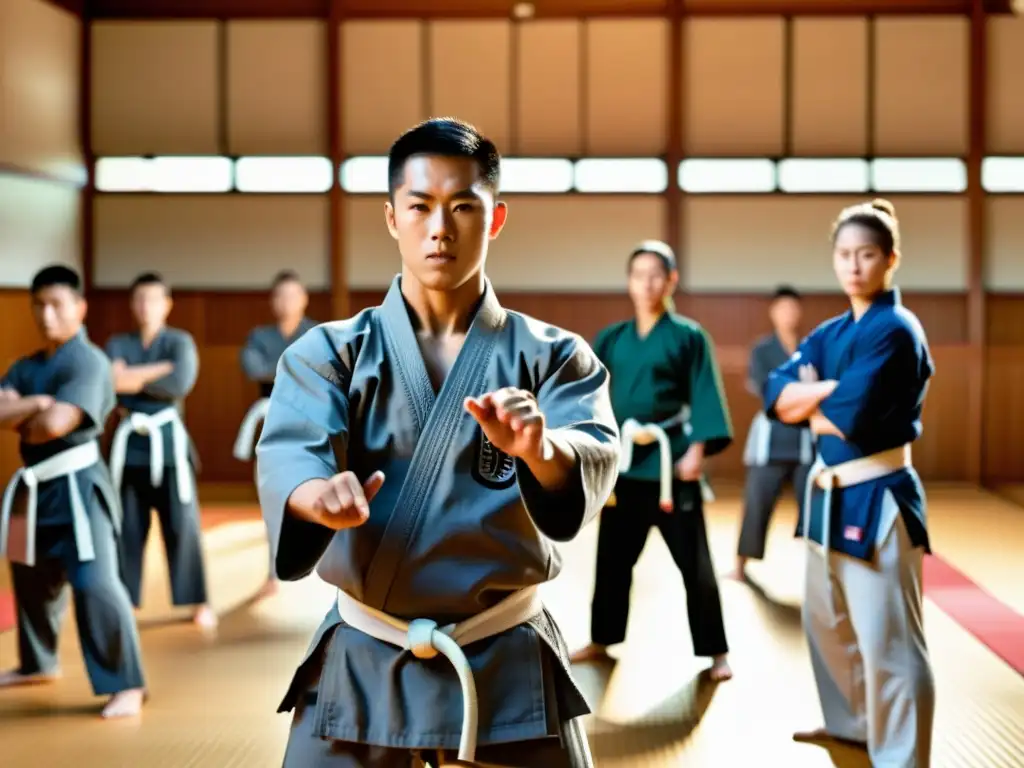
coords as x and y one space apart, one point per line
751 87
41 165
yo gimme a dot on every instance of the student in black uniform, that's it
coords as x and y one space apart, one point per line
666 391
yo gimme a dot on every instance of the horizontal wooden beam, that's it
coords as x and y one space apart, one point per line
253 9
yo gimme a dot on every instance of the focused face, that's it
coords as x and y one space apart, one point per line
288 300
58 312
649 282
443 217
861 266
150 305
785 314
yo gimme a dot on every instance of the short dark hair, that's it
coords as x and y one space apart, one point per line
786 292
657 248
150 278
285 276
57 274
879 217
444 137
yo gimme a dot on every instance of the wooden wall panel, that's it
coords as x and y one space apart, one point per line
211 241
155 88
912 115
734 87
39 82
18 338
382 94
470 72
626 79
276 91
1005 119
1004 238
744 243
547 117
40 224
829 104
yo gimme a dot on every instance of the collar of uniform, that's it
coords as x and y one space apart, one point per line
890 297
488 315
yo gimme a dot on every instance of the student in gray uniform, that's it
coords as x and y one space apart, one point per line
423 456
262 350
152 458
66 528
776 453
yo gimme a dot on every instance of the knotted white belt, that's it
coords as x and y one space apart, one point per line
247 431
425 639
152 426
854 472
632 429
64 464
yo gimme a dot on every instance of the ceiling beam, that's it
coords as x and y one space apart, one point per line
263 9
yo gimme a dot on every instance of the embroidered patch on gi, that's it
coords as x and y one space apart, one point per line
853 533
493 468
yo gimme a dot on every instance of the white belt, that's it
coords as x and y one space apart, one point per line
844 475
628 434
152 425
64 464
631 429
425 639
247 432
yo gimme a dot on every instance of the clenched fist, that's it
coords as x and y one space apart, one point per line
339 503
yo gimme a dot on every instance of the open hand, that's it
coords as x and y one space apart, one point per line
344 502
511 419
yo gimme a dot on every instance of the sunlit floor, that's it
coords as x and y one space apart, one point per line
214 698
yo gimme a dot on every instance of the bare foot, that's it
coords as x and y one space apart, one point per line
204 617
124 704
13 677
819 735
720 670
269 589
590 654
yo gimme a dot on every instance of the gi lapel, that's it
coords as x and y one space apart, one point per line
440 419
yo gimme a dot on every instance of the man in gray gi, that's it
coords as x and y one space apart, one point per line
66 528
152 458
423 456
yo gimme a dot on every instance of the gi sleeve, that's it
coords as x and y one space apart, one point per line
306 422
576 405
113 348
10 379
789 372
256 363
86 382
758 370
859 400
178 383
710 422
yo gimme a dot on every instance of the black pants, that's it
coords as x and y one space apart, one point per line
763 489
621 538
179 524
103 613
